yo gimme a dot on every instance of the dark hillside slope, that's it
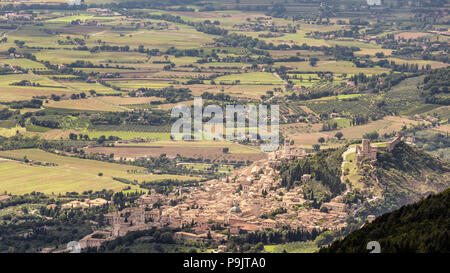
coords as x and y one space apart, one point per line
421 227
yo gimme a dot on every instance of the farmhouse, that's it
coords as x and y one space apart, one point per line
18 16
4 198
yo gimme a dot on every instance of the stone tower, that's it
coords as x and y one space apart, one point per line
256 208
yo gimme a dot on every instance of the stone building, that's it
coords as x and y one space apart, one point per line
366 151
287 153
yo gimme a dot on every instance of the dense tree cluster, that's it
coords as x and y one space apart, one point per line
275 236
436 86
132 118
325 169
421 228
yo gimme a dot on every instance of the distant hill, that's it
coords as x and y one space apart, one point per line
397 178
421 227
405 175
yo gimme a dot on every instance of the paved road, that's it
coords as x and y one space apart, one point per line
344 155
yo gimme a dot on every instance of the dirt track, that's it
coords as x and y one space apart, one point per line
212 153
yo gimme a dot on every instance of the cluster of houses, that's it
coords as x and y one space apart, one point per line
262 23
13 16
134 140
85 204
4 198
429 118
242 202
287 153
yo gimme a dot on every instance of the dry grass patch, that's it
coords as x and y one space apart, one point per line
90 104
130 100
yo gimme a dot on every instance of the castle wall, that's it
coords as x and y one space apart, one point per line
366 151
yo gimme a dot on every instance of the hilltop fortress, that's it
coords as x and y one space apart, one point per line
366 151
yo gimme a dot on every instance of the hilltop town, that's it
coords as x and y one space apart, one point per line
89 150
250 199
238 203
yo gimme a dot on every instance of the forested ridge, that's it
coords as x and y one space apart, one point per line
422 227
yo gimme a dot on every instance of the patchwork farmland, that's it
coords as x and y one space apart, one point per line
88 102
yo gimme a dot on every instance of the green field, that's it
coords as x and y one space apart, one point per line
127 134
9 132
70 174
25 63
164 141
334 67
295 247
82 17
134 84
194 166
43 87
250 78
